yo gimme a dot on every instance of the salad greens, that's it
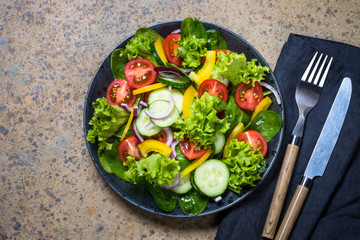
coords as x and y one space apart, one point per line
245 165
211 116
202 126
106 121
235 67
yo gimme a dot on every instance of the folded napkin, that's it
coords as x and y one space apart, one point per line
332 208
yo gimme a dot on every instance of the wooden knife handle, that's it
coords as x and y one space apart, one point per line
293 210
280 191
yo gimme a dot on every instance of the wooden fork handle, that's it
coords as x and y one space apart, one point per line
293 210
280 191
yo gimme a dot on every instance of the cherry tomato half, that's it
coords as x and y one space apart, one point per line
170 47
128 147
140 72
161 136
248 97
189 149
120 92
213 87
255 139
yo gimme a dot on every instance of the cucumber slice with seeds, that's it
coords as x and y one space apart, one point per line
211 178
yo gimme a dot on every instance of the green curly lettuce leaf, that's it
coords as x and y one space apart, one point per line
201 127
139 46
237 69
156 169
106 122
191 49
245 165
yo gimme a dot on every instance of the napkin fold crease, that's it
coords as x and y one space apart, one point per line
332 208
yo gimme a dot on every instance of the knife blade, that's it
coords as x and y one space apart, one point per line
319 157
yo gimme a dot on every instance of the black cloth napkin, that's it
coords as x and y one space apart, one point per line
332 208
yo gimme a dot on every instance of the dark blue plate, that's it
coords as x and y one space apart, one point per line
138 194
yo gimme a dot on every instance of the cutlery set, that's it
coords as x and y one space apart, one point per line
307 96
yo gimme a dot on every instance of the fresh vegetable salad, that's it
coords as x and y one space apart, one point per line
185 116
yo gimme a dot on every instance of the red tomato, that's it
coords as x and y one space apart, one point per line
189 150
170 47
213 87
161 136
255 139
248 97
120 92
128 147
140 72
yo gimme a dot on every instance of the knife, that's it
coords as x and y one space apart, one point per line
320 156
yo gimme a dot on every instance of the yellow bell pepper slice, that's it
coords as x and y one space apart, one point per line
204 73
196 163
160 50
234 134
262 106
189 95
127 126
148 88
152 145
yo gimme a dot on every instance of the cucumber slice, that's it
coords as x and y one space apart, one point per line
159 107
219 143
184 185
182 82
158 52
141 125
211 177
164 93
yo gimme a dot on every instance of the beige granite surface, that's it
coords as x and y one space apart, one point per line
49 51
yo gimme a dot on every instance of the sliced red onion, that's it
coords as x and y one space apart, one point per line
165 115
171 88
143 104
174 183
217 199
176 31
125 107
169 135
186 70
173 152
136 132
137 110
273 90
149 125
168 72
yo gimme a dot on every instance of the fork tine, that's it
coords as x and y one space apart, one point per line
320 70
314 70
322 81
303 78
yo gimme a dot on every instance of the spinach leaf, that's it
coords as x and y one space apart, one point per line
215 40
149 33
166 200
183 161
268 123
117 63
235 113
193 202
192 26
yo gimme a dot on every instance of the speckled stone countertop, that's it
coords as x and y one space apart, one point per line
49 51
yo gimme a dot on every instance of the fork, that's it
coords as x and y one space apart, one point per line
307 96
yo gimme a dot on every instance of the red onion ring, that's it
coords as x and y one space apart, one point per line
143 104
125 107
174 183
149 125
173 152
217 199
169 135
176 31
136 132
273 90
165 115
